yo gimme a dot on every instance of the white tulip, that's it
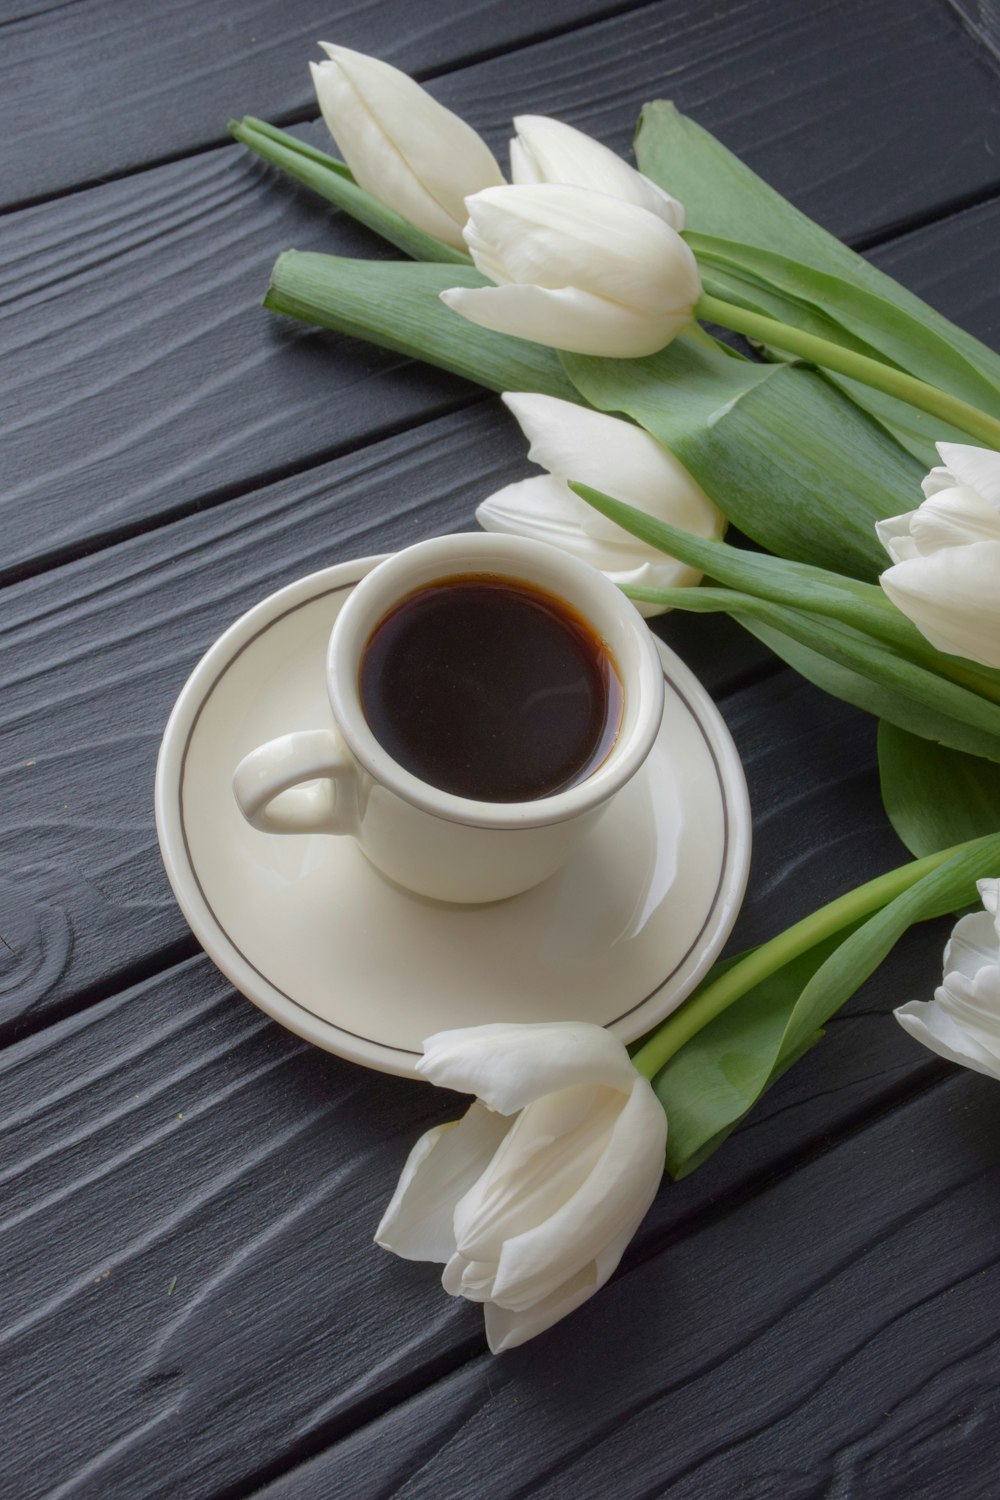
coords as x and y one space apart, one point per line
574 443
546 150
531 1198
401 145
576 269
962 1022
946 577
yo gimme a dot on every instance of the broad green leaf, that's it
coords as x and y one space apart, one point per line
723 197
332 180
852 666
790 460
396 304
712 1082
935 796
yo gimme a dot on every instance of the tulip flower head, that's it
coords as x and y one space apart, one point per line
574 443
576 269
962 1022
545 150
400 144
531 1198
946 555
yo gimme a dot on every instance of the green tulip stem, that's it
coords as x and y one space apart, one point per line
871 372
774 954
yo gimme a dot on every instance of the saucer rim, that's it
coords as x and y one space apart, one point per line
292 1014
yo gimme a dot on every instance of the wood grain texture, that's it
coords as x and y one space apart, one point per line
70 114
141 377
833 1335
190 1304
953 263
191 1296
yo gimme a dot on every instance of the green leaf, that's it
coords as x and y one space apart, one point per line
864 320
710 1084
723 197
863 606
789 459
332 180
850 665
935 796
396 304
800 585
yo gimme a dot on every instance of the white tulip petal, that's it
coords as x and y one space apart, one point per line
470 1279
509 1066
375 162
962 1023
554 237
401 144
973 943
928 1023
567 319
953 518
550 151
974 1007
419 1221
953 598
617 457
523 166
544 508
606 1207
894 534
548 1155
979 468
506 1329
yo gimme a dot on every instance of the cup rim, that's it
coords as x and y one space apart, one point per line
617 621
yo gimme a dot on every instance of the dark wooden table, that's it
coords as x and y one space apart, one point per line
190 1305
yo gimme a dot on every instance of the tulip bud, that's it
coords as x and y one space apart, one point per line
531 1198
577 270
401 145
574 443
946 577
546 150
962 1022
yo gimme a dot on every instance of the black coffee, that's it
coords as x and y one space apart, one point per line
490 688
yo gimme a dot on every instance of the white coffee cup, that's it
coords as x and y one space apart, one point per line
340 780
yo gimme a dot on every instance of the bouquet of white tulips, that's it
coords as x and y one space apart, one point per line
579 290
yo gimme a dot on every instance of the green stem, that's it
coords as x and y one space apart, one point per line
773 955
856 366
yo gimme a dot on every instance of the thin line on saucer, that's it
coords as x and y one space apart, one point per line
359 1036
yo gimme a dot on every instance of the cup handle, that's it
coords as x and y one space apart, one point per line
299 783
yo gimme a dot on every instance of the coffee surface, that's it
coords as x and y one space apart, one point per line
490 688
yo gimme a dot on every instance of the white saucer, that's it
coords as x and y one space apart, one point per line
309 931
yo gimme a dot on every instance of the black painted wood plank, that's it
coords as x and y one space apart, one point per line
836 1334
96 89
191 1296
141 375
954 265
